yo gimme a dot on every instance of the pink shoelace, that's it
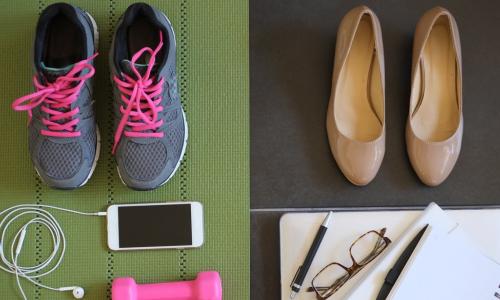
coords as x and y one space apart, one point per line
142 98
56 98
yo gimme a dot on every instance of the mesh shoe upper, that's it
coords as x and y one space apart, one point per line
146 162
60 161
62 130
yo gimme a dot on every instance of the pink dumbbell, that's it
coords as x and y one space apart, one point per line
206 286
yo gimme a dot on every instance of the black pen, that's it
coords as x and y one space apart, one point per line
302 271
398 267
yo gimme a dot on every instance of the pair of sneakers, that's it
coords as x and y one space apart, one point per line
149 122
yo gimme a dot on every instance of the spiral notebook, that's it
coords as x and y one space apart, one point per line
297 231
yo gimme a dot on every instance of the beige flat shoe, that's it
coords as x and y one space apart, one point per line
355 119
435 123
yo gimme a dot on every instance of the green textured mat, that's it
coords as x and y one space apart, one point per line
212 56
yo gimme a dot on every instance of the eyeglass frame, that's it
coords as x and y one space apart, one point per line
355 266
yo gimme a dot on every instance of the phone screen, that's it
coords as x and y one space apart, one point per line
154 225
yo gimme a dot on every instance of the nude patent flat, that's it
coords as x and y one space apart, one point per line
435 122
355 119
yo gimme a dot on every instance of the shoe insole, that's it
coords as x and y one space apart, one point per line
143 33
356 89
436 116
64 43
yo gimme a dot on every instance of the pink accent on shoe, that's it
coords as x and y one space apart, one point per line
143 93
56 95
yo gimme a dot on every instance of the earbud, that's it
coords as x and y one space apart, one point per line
38 214
78 292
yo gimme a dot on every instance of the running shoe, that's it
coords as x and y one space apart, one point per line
63 136
151 129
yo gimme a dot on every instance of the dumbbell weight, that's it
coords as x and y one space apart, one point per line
206 286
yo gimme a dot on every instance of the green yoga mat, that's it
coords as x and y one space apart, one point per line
212 56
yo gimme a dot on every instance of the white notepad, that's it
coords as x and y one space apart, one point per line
297 230
446 265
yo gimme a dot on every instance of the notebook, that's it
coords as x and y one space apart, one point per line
297 230
448 266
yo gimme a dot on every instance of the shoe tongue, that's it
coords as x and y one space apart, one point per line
141 68
51 73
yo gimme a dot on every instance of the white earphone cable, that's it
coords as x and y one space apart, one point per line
39 216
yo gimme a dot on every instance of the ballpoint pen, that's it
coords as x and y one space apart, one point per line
398 267
304 268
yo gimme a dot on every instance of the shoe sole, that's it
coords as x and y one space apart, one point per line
184 145
98 141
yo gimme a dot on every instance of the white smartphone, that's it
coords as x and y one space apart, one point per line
172 225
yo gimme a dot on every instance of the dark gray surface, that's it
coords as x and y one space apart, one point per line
292 46
291 54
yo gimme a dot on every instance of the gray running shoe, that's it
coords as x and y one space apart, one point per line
151 129
63 137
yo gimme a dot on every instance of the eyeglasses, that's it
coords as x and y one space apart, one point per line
362 251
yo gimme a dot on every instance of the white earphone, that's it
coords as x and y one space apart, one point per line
43 218
78 292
